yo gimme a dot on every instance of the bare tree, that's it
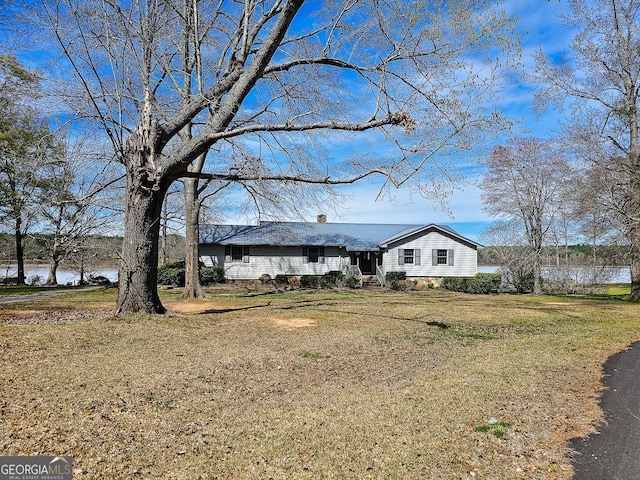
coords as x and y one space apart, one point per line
417 76
524 182
96 252
600 80
596 207
510 251
172 222
254 199
71 206
12 31
5 12
194 197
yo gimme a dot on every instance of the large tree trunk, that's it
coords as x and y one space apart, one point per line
192 287
163 237
53 269
537 274
535 238
19 250
633 215
634 238
635 264
81 281
138 289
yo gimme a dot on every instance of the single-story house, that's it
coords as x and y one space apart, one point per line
305 248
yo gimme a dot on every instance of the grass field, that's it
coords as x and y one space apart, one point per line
314 384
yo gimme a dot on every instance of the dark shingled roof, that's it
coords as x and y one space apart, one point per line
352 236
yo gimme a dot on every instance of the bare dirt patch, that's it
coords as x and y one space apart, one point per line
292 323
192 307
208 306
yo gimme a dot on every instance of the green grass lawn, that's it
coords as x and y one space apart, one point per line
312 384
619 289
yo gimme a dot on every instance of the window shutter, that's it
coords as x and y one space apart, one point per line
450 262
401 256
305 254
434 257
245 255
227 253
321 255
416 256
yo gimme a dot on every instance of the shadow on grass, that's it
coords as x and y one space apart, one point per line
259 294
214 311
307 304
319 303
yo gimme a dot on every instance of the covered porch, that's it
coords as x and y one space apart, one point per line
366 261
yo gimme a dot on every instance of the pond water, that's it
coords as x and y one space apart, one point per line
64 276
72 277
614 274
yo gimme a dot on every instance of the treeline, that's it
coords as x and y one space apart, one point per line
585 255
99 250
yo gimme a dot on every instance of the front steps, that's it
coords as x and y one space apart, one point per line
369 281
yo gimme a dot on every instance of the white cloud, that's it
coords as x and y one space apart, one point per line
464 206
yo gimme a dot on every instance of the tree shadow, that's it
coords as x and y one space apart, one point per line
323 303
213 311
305 304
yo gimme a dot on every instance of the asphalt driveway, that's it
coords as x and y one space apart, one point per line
29 297
614 453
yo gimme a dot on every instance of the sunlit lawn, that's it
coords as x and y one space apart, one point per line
619 289
313 384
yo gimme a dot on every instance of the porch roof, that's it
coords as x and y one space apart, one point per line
352 236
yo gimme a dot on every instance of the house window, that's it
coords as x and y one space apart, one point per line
236 254
442 256
313 254
408 255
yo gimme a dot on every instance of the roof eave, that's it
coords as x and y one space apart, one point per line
385 243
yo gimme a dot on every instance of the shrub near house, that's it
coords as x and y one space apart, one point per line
481 283
173 274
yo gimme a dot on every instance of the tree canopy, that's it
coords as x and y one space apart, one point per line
525 183
289 81
599 80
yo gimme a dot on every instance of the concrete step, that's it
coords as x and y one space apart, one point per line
370 280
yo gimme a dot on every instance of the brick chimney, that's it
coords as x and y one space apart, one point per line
322 218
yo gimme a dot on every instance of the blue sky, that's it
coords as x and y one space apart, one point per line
539 28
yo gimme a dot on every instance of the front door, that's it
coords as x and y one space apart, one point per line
366 261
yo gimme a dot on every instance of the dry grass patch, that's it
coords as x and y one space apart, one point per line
313 385
292 323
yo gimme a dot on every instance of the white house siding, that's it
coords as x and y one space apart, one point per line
465 257
272 261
